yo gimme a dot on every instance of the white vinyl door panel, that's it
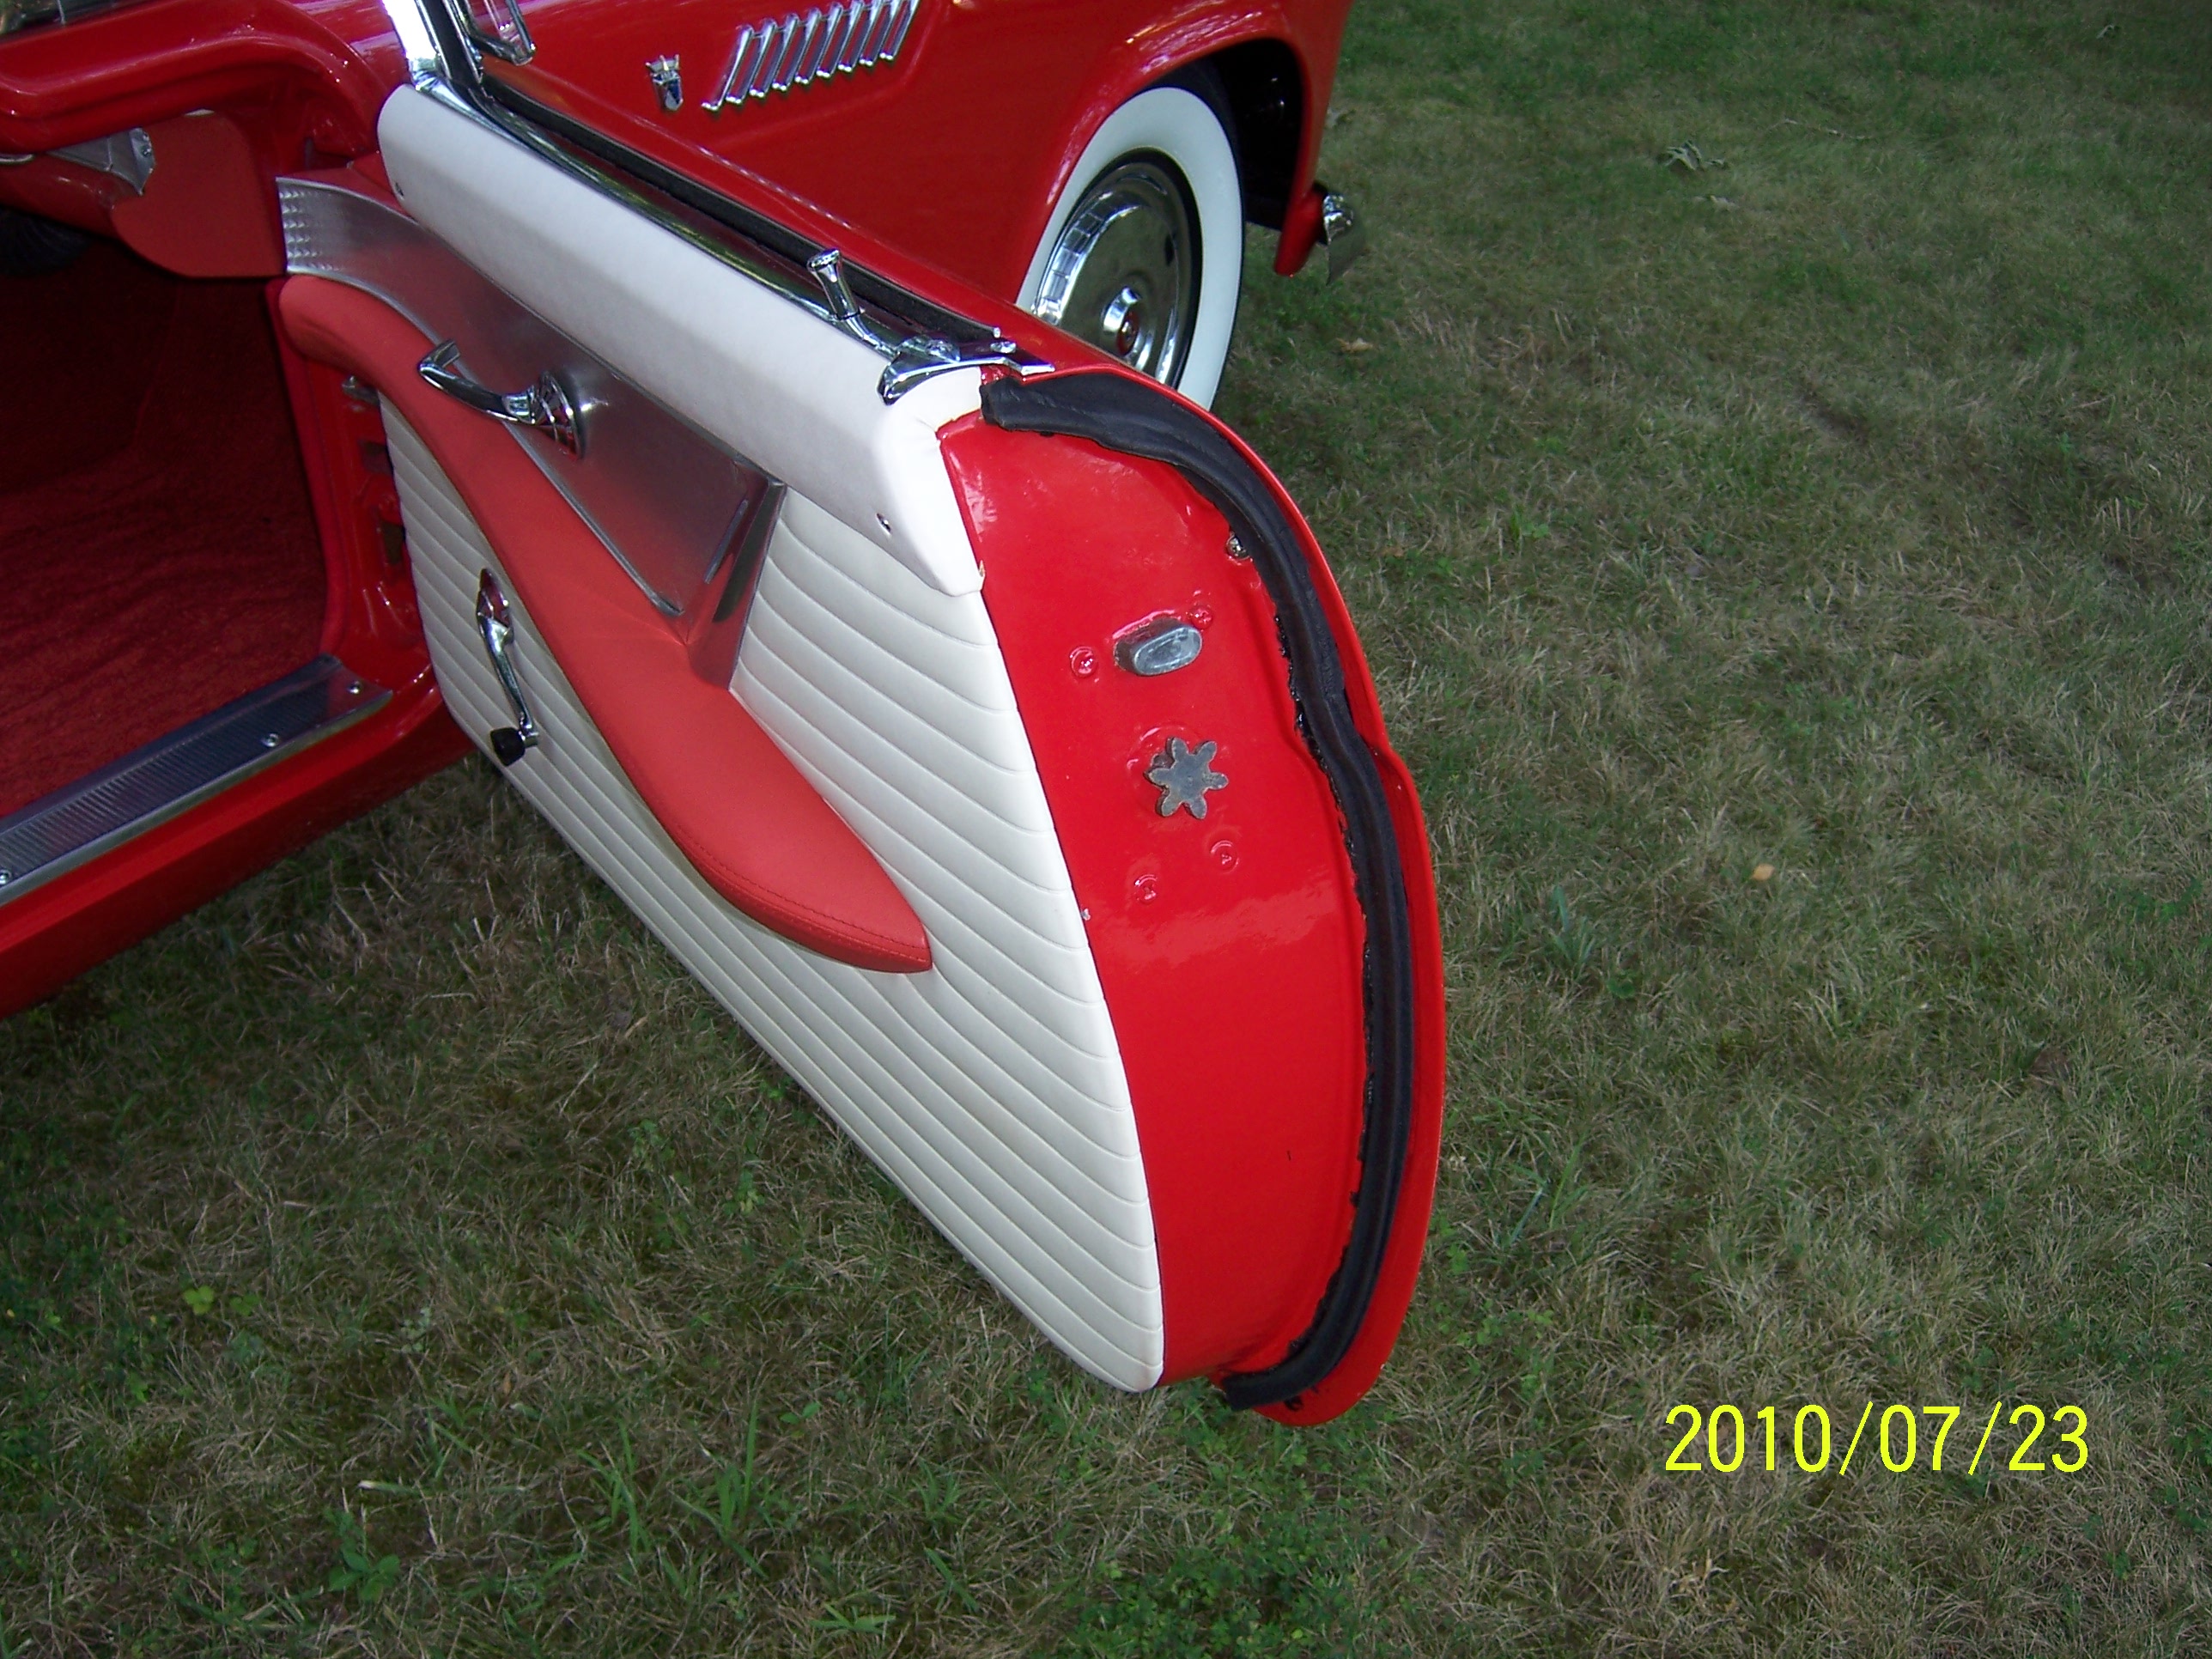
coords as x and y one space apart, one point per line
989 1088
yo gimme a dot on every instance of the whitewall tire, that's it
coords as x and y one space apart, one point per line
1144 254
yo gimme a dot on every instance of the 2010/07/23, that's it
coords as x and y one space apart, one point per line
1728 1437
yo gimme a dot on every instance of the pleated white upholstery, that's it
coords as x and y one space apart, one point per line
990 1088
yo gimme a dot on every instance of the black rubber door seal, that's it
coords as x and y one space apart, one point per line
1138 418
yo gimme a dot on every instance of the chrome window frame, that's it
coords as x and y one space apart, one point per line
916 338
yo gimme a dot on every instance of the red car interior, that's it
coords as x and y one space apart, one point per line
157 542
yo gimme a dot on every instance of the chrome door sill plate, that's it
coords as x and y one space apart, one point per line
79 822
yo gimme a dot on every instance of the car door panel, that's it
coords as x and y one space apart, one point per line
1170 1071
664 496
989 1088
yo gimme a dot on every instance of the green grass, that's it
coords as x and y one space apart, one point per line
401 1255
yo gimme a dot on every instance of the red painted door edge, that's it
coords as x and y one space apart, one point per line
1355 1374
1344 1387
1402 1243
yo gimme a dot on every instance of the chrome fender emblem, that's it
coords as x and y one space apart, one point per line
667 75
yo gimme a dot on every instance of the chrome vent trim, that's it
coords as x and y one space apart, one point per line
800 48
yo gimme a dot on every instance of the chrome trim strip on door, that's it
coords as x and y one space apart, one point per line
718 631
665 498
77 823
128 155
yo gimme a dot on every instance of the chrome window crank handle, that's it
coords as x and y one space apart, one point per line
545 407
497 625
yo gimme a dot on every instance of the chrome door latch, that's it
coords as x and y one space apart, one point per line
916 357
545 407
508 743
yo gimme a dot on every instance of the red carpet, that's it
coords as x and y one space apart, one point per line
158 552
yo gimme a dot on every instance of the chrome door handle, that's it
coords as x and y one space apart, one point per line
545 407
508 743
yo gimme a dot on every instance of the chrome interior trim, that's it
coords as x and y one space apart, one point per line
544 405
717 631
916 357
128 155
496 625
101 809
665 498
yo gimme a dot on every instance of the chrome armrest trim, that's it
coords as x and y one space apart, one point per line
663 497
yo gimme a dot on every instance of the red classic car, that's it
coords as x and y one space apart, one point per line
778 441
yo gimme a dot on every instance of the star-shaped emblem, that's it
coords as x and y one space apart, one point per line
1184 775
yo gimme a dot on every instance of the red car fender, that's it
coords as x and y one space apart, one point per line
799 166
1311 33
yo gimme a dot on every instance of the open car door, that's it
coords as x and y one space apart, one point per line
987 734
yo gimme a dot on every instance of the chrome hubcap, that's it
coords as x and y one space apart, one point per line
1123 272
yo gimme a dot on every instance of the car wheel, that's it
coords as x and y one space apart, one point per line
1144 254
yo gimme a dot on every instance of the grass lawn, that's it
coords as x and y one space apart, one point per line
402 1256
